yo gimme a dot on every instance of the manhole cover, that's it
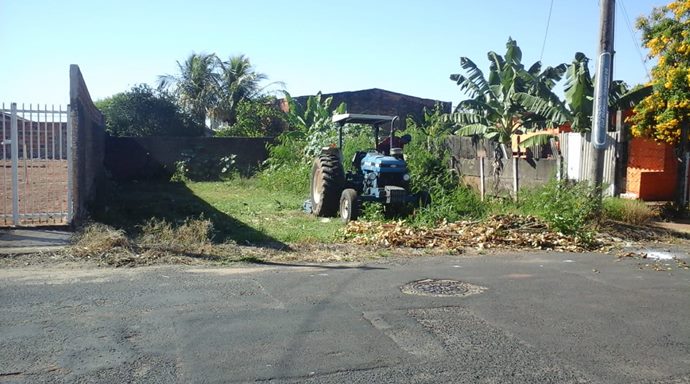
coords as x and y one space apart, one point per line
437 287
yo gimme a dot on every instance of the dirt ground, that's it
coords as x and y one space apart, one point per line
42 189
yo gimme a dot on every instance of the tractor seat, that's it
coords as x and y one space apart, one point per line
357 159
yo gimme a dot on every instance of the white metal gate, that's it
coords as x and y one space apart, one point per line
36 162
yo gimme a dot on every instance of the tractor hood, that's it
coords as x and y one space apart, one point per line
376 162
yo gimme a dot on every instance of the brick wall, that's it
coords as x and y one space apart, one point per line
88 142
652 168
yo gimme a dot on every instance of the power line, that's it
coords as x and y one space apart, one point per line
546 33
633 36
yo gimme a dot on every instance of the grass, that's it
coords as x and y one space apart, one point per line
628 211
239 210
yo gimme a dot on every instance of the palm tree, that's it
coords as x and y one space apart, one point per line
237 81
513 99
195 87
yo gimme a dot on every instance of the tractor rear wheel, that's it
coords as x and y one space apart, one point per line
327 181
349 205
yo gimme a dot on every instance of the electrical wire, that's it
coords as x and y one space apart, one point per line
546 33
633 36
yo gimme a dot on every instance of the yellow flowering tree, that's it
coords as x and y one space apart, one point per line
666 112
664 115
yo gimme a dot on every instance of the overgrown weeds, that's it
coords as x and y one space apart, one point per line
628 211
159 240
192 236
96 239
568 207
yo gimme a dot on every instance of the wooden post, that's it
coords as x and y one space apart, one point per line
515 178
482 182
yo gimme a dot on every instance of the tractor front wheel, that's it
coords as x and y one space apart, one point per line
327 180
349 205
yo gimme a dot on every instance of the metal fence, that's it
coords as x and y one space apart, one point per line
577 153
35 182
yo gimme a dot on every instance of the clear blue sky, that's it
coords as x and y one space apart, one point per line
404 46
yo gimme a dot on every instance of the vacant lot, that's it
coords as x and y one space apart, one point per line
42 190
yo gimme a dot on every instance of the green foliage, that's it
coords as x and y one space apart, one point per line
291 177
312 123
195 86
237 81
512 99
310 128
628 211
567 207
142 111
197 166
428 156
255 118
459 203
206 86
372 212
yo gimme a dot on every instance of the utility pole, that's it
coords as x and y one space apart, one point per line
601 96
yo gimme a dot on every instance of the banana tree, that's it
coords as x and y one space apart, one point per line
512 100
579 94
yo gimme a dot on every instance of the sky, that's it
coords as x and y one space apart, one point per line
405 46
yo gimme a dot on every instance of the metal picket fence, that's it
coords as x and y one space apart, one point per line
35 182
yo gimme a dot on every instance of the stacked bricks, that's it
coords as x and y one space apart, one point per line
652 170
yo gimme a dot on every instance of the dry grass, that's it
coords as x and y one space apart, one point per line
159 242
633 212
192 236
97 239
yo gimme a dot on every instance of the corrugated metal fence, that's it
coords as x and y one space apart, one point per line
577 155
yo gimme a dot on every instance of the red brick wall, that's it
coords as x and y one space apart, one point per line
652 170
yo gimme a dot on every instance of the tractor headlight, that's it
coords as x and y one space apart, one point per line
406 177
371 176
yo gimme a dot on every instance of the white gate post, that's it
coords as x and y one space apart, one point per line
14 153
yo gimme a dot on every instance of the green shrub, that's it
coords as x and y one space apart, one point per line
628 211
197 166
460 203
567 207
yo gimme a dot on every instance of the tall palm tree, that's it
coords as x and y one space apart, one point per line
237 81
195 87
512 99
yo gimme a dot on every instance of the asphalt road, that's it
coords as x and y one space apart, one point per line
531 318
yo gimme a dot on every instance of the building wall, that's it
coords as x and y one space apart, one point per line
652 168
381 102
128 158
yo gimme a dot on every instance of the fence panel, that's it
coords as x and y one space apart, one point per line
577 152
35 152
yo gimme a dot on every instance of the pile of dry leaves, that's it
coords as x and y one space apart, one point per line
500 231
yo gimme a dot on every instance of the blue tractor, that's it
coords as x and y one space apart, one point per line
375 176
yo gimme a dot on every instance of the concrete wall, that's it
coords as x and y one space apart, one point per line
88 146
129 158
498 178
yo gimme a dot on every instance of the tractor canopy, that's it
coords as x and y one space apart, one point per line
356 118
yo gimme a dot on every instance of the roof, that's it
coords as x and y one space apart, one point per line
357 118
